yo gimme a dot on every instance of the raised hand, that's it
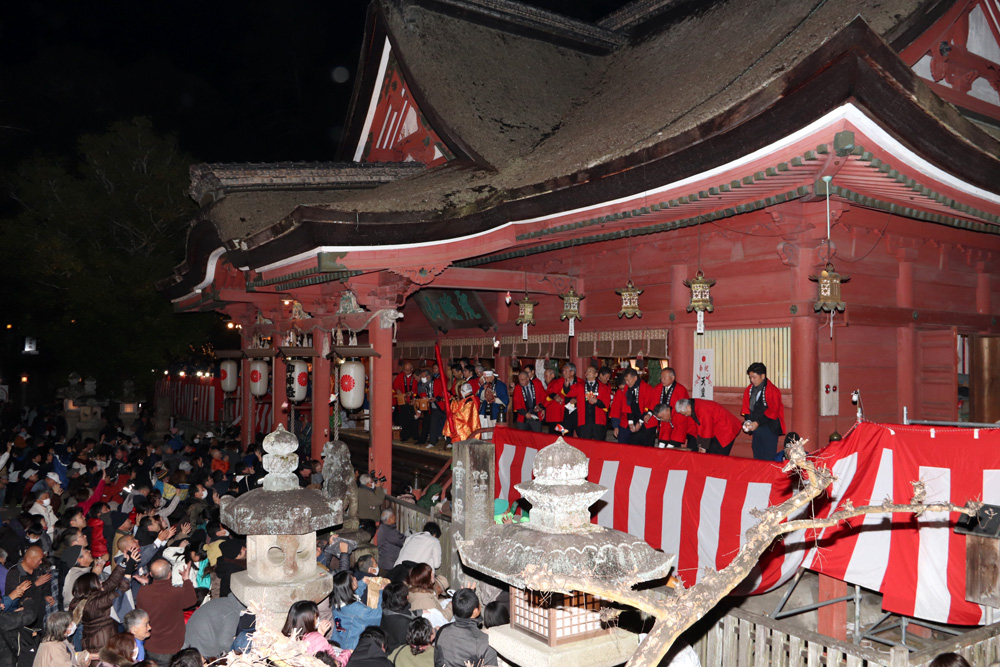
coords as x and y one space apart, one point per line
44 579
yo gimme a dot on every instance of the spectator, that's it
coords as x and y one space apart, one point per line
350 615
55 649
189 657
213 626
165 605
419 648
390 541
30 569
370 499
396 615
423 597
136 623
371 650
462 642
120 651
234 559
11 624
80 561
423 547
92 602
495 613
304 623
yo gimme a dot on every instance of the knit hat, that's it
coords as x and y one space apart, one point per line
71 555
54 477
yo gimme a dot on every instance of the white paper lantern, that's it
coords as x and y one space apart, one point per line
228 375
258 378
298 380
352 384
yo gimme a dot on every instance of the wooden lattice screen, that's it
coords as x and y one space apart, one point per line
555 618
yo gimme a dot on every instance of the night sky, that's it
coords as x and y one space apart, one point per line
248 81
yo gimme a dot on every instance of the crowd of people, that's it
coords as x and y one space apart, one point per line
113 553
606 403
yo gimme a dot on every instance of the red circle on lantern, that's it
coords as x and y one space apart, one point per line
223 374
303 379
704 358
255 375
347 383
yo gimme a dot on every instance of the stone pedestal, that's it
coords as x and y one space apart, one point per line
517 648
272 600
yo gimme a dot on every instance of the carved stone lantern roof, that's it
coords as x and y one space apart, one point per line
560 535
281 507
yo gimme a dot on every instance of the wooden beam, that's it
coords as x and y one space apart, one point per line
499 280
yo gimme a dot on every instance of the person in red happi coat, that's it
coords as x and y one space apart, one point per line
716 427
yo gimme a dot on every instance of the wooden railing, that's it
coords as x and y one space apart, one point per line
411 519
742 638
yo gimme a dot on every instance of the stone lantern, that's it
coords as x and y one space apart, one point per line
280 522
561 538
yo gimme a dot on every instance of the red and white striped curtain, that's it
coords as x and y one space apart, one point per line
200 400
699 506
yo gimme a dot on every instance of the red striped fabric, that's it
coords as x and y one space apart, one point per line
699 506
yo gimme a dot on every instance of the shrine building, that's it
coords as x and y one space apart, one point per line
495 148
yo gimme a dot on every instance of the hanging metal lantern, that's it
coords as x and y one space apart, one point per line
630 300
571 308
829 290
525 314
228 376
352 384
701 298
298 380
526 311
259 378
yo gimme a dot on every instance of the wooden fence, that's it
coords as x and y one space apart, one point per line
742 638
411 519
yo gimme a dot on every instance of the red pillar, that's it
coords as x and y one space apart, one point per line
247 402
279 392
380 384
906 381
805 356
320 396
982 290
681 334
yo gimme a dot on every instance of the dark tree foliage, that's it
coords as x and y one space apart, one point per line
82 252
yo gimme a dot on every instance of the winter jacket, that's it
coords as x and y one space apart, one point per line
98 626
463 642
395 624
10 625
403 657
59 654
354 618
368 654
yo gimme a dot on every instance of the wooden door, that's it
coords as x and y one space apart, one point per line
984 379
937 375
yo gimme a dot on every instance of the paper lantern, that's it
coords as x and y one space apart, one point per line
829 290
352 384
228 376
630 300
297 380
258 378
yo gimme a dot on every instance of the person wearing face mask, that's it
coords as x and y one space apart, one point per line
56 649
43 507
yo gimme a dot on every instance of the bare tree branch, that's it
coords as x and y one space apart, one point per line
675 614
